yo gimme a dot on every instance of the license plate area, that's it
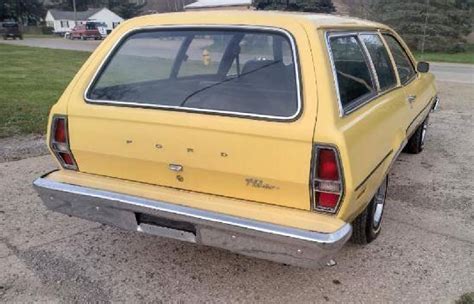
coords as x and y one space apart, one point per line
155 225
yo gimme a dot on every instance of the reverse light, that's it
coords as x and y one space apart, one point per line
59 143
326 181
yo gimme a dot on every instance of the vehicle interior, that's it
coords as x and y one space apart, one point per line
249 77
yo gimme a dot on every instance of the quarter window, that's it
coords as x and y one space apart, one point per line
404 66
231 71
352 71
381 61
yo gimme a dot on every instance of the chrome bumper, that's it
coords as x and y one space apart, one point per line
244 236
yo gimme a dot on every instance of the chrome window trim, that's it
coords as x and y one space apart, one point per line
358 103
125 35
371 63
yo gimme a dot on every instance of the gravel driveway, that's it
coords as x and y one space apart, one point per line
424 253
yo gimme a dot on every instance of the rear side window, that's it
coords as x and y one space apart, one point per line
241 72
381 61
353 75
404 66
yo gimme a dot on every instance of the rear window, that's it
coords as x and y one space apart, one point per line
353 75
91 26
237 71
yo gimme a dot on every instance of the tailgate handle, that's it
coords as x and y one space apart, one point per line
175 167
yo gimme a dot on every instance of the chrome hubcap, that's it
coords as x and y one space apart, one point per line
423 132
379 201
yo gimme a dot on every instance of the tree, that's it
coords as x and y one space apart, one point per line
23 11
125 9
316 6
430 25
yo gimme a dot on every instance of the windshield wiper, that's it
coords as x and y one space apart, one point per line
224 81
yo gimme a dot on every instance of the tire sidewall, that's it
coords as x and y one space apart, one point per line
374 230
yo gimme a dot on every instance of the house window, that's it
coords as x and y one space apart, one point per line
64 23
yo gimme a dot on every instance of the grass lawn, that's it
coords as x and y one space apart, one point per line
31 81
465 57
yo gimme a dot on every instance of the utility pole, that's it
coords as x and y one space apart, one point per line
424 29
75 12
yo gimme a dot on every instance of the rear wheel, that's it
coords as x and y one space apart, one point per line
416 142
366 227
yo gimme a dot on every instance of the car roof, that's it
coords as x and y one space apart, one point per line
225 17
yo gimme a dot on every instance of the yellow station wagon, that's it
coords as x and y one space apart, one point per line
268 134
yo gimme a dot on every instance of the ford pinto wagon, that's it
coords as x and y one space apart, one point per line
267 134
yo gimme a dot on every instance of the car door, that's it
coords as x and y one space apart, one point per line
415 84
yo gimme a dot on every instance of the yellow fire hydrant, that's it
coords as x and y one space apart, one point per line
206 57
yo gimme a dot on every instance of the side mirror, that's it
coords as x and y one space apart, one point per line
423 67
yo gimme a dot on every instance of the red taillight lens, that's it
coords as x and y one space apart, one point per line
60 130
327 200
67 158
59 143
327 164
327 181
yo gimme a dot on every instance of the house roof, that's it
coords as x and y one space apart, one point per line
217 3
69 15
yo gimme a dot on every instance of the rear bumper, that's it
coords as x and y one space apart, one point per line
244 236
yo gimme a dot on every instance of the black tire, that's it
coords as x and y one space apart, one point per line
416 142
366 227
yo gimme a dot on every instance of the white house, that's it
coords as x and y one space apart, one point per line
219 4
63 21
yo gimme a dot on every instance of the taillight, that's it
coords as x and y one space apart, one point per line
59 143
327 185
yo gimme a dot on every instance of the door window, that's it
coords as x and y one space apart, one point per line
405 68
353 75
381 61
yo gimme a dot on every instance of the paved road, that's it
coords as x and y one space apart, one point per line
460 73
56 43
451 72
425 252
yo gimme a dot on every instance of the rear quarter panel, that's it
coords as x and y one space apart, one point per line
367 138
